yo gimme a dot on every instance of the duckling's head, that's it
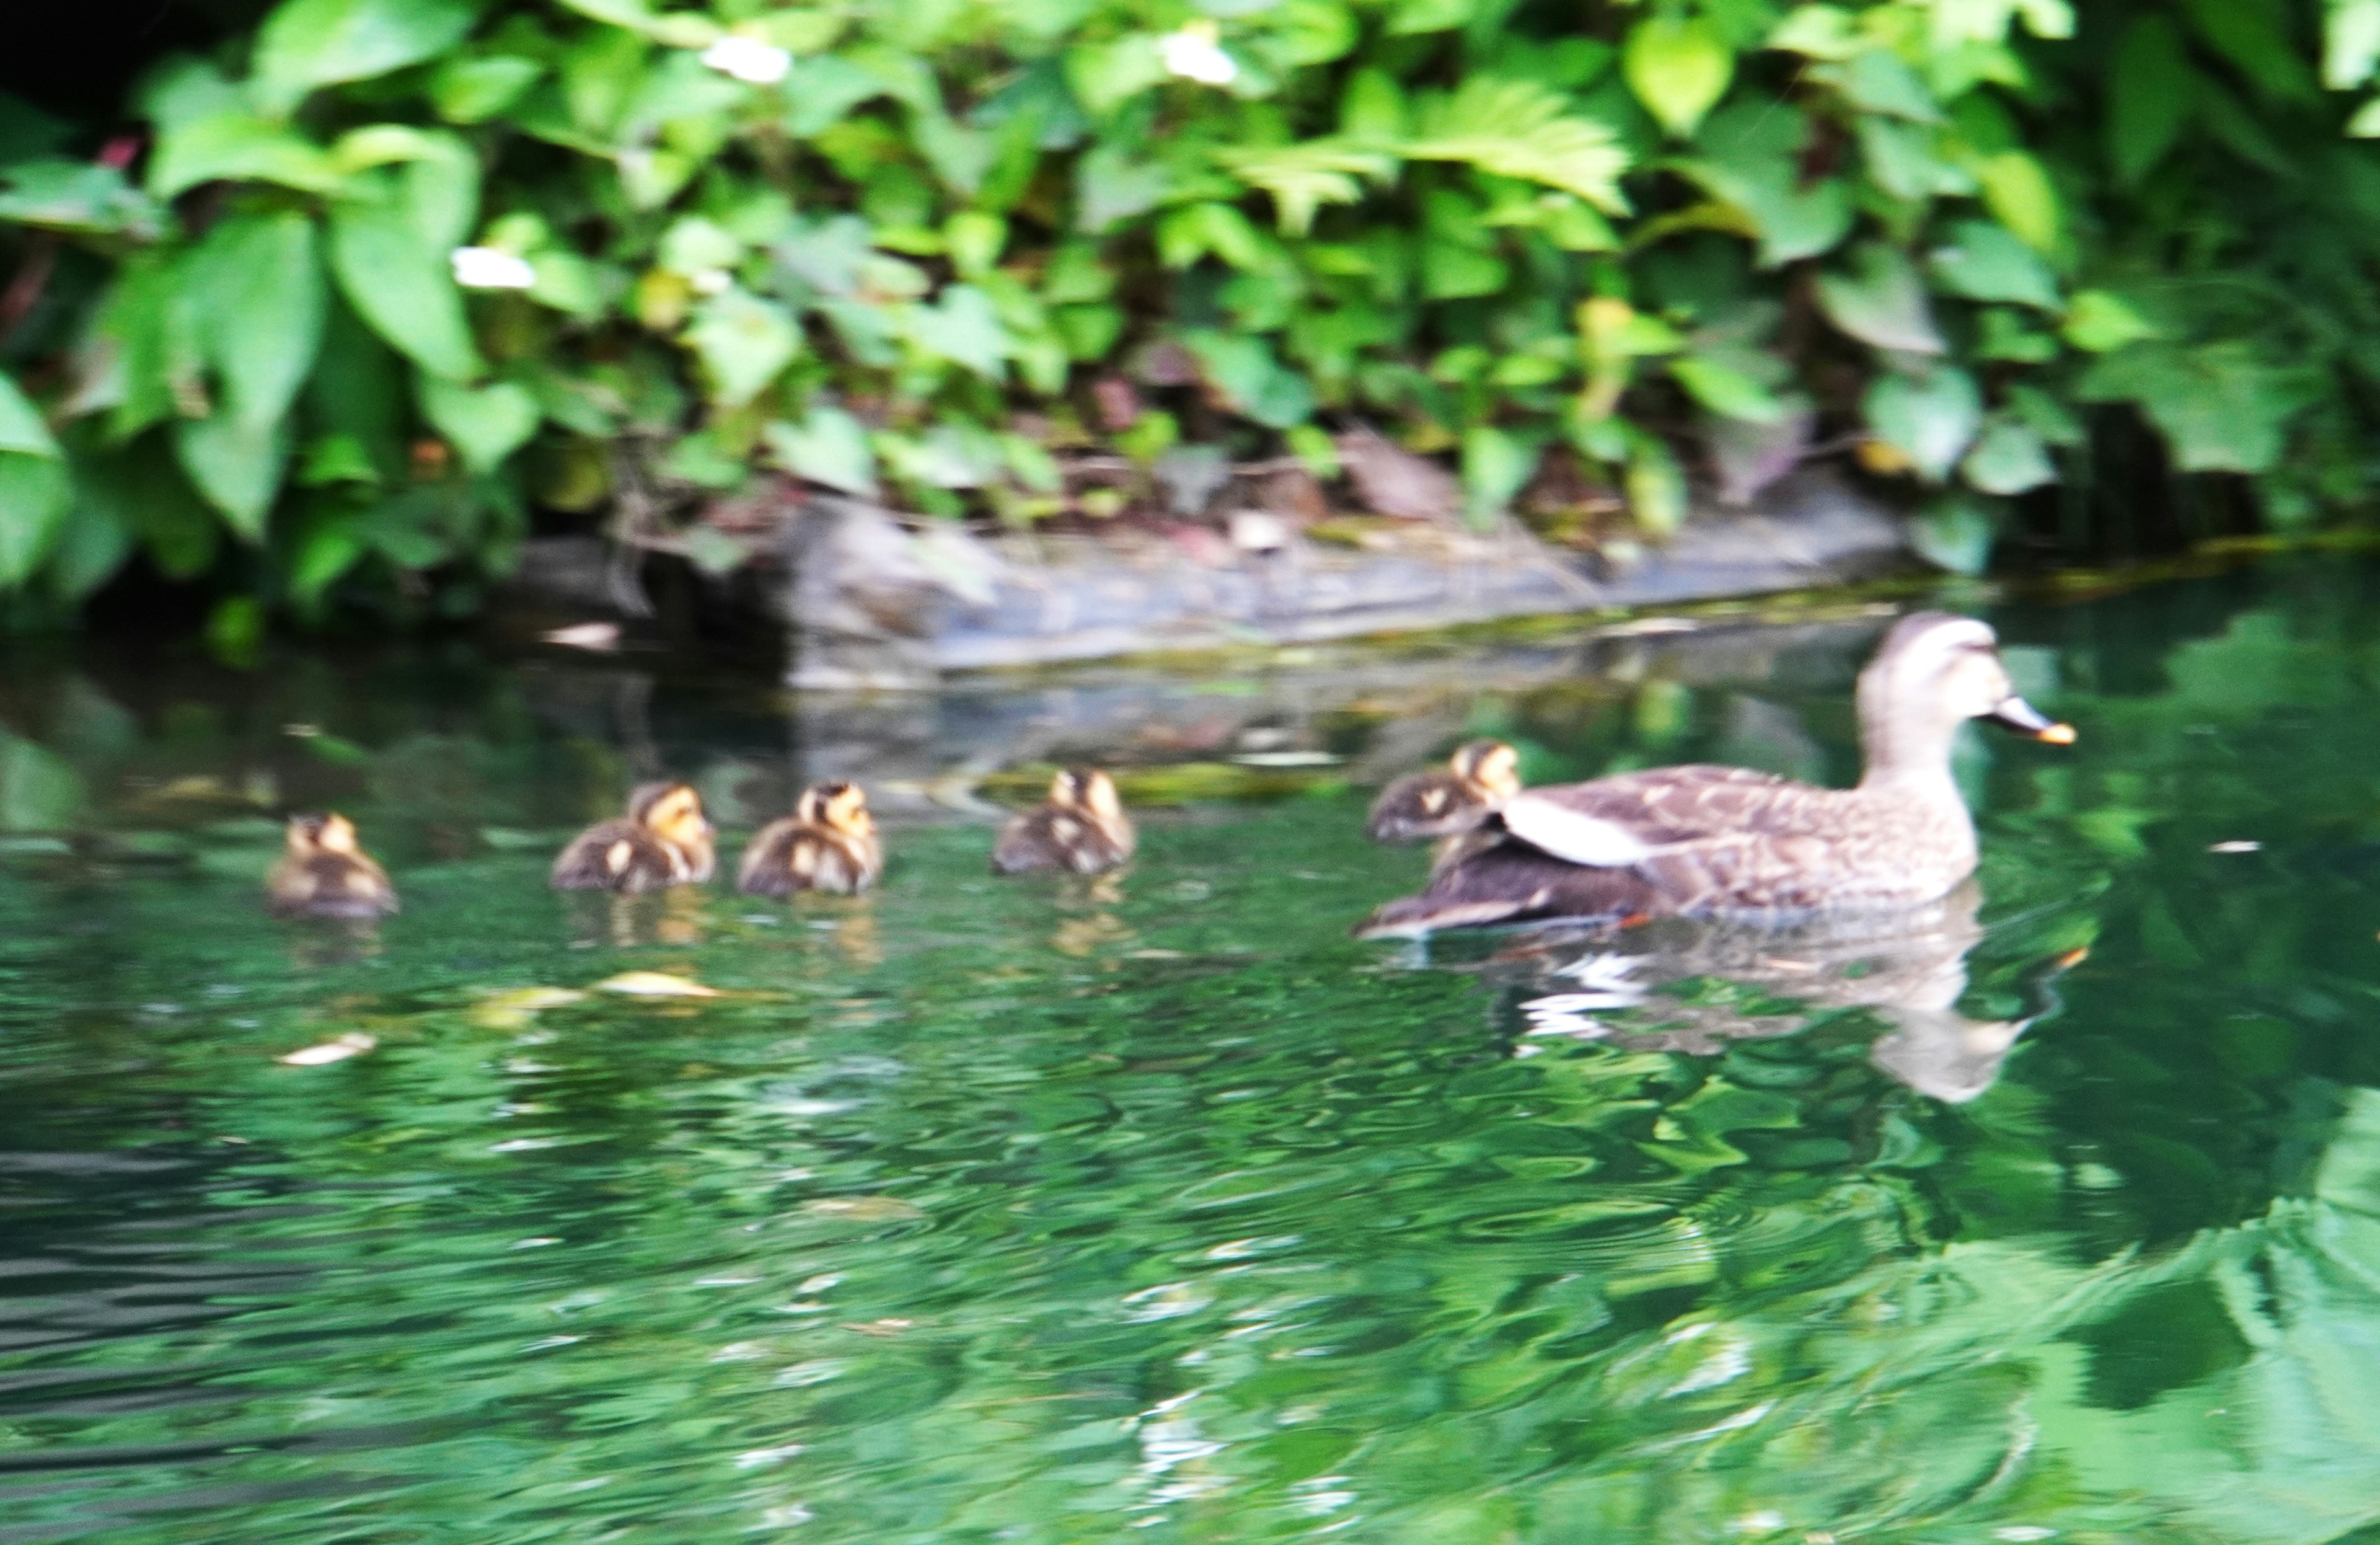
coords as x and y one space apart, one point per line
1087 789
1934 671
311 835
670 811
838 808
1490 766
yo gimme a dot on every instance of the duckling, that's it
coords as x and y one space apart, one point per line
1730 842
828 844
1444 802
664 840
324 873
1081 827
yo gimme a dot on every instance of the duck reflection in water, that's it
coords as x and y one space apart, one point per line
676 916
1646 988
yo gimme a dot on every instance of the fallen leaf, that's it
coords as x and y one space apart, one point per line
600 637
511 1010
337 1049
863 1210
1391 481
655 984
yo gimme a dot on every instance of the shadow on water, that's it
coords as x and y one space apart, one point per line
1031 1210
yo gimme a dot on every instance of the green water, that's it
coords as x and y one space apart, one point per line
1161 1210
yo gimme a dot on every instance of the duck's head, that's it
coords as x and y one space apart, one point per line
1490 766
311 836
1934 671
672 811
838 808
1089 790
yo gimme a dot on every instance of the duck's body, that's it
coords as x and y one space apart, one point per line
1447 801
664 840
1081 828
324 873
828 844
1725 841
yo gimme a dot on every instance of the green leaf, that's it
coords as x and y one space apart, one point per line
2151 86
1112 185
327 550
22 431
1656 486
1243 369
2250 36
2350 48
402 285
1496 465
79 198
1983 261
234 147
677 29
307 44
1678 68
36 490
2221 407
965 327
744 342
473 91
35 493
1955 533
2365 124
92 548
257 281
829 446
1726 392
2100 323
1876 80
487 425
1930 418
1303 178
1752 161
1106 75
2008 458
1880 300
2017 191
1819 31
1519 128
237 466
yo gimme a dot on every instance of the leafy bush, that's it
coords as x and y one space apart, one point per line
392 274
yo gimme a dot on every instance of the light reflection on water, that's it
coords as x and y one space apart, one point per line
1035 1212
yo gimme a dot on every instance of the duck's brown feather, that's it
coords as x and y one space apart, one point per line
1047 837
626 857
329 885
792 854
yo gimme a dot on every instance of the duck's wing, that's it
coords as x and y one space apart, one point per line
612 856
1504 881
1026 844
1624 820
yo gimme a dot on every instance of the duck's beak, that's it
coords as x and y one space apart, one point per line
2023 717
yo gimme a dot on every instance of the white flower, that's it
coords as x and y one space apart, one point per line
488 268
1193 53
712 281
750 59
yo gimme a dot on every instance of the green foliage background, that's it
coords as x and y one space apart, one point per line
887 247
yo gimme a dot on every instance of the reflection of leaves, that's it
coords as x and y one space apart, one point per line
37 791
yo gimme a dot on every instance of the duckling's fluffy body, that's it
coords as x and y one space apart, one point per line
1449 800
1726 841
324 873
664 840
828 844
1080 827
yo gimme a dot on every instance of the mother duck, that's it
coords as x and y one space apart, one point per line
1730 842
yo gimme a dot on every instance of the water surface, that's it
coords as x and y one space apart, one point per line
1047 1210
